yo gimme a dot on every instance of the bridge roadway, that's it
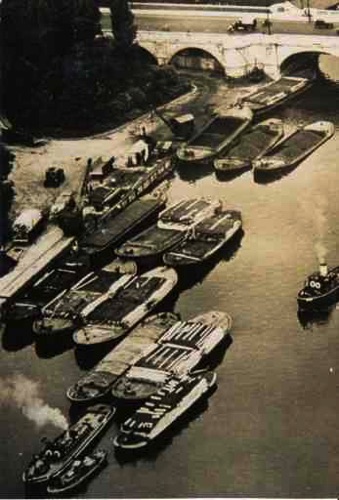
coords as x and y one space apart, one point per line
214 22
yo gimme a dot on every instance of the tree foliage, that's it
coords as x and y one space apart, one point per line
123 27
58 75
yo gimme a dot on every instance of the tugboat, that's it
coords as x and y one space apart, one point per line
58 454
79 471
162 409
63 313
250 146
321 289
173 226
294 148
275 93
180 350
115 313
99 381
216 135
205 239
53 282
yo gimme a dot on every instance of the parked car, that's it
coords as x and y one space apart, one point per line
321 24
54 177
245 23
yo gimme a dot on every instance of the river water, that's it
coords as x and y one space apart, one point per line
271 427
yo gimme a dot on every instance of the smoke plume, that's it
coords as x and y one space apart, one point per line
315 208
321 228
23 393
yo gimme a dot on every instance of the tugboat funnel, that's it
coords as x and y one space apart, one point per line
323 269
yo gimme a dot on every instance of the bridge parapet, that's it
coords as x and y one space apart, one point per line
238 54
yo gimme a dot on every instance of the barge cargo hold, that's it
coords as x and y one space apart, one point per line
115 314
28 305
162 409
99 381
58 454
216 135
275 93
293 149
173 226
206 239
250 146
63 313
181 348
113 230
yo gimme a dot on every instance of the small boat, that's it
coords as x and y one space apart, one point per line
58 454
162 409
216 135
173 225
180 349
273 94
116 312
113 229
294 148
206 239
28 306
99 381
63 313
251 145
79 471
321 289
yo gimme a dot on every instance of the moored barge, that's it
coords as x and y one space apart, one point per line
174 224
114 229
275 93
58 454
250 146
294 148
98 382
28 306
63 313
206 239
115 313
216 135
181 348
162 409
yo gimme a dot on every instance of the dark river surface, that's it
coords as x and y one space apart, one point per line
271 427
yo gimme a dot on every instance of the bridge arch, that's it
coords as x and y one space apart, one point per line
303 60
147 55
197 58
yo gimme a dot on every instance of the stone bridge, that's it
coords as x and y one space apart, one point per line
238 54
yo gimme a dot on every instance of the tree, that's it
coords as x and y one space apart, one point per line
35 33
123 27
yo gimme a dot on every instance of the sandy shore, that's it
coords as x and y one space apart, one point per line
72 154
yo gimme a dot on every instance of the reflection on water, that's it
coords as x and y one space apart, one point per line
308 319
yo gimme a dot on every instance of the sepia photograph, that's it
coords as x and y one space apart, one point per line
169 249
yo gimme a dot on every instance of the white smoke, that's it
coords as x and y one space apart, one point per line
320 207
23 393
315 208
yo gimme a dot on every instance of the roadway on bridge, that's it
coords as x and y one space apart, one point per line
188 21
